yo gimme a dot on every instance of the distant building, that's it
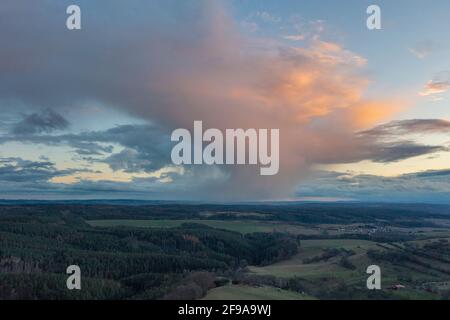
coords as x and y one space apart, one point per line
397 287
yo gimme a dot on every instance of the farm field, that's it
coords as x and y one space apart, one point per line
241 226
246 226
421 276
242 292
310 248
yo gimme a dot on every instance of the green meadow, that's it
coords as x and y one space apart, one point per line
241 226
243 292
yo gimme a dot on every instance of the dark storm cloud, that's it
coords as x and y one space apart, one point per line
20 170
382 152
386 142
90 148
427 186
45 121
147 147
434 173
128 160
413 126
392 152
122 51
29 179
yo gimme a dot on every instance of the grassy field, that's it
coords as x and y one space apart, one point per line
310 248
240 226
337 243
241 292
392 273
245 226
295 267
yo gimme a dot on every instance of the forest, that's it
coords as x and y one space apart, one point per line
126 259
122 262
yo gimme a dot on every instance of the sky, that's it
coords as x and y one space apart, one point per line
363 114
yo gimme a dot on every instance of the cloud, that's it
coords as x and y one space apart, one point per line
295 37
171 63
45 121
31 179
36 179
381 152
146 147
434 173
392 152
413 126
423 49
332 54
439 84
128 160
298 29
388 142
427 186
267 17
20 170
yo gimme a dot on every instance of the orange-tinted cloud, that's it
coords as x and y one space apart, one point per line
439 84
199 67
